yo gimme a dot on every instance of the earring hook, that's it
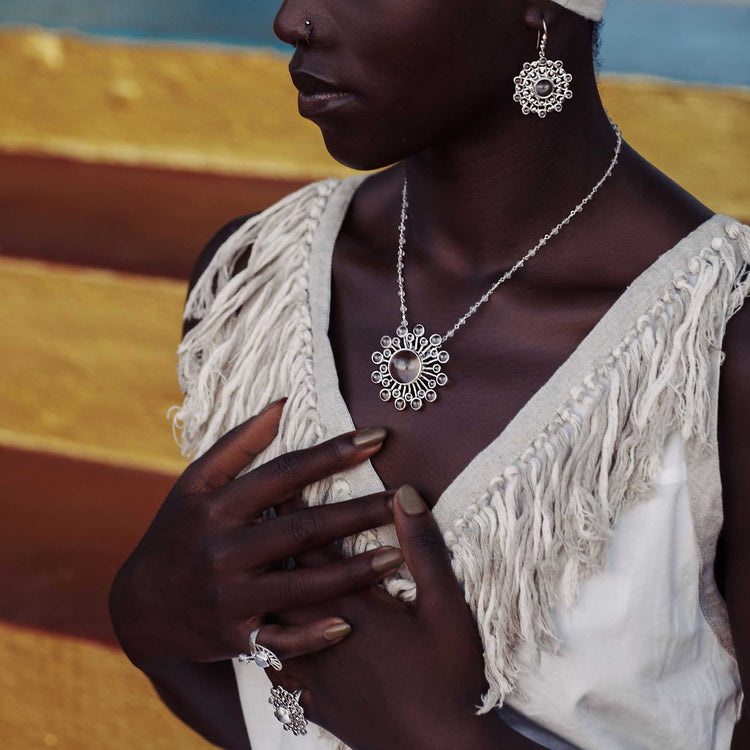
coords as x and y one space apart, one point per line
543 45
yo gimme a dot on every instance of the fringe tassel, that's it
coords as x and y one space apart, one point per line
543 525
229 365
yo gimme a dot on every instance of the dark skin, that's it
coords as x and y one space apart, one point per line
439 103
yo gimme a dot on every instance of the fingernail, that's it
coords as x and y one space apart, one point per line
369 437
410 500
335 632
387 560
275 403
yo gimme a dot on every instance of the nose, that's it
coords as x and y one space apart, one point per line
289 24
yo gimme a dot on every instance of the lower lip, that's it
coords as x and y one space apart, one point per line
310 105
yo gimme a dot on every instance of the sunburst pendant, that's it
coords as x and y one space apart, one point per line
410 367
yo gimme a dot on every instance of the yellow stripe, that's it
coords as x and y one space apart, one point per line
234 111
58 692
697 136
89 366
195 107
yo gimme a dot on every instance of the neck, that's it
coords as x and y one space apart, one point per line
479 201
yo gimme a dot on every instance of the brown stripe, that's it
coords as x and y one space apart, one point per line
142 220
66 525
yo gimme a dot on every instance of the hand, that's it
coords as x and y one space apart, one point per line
200 580
409 676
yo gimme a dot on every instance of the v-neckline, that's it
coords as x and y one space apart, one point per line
529 422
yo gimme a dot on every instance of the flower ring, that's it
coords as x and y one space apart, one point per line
260 655
287 709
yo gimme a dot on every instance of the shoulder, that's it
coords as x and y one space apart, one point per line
734 411
733 554
217 240
286 221
207 255
294 207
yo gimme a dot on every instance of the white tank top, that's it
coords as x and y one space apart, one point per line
607 478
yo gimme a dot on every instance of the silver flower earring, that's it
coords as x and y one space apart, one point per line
542 85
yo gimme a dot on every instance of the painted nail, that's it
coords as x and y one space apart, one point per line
410 500
387 560
369 437
335 632
275 403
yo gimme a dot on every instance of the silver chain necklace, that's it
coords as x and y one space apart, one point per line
409 365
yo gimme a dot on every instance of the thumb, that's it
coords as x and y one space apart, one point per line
424 550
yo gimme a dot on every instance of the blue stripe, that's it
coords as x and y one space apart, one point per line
240 22
686 41
704 42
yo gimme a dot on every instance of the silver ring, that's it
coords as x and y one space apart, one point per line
260 655
287 709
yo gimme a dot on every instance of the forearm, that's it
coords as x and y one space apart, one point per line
203 696
486 732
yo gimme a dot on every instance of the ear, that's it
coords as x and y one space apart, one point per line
535 9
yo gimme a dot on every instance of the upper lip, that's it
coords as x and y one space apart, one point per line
309 83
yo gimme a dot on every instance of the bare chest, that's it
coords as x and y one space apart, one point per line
503 355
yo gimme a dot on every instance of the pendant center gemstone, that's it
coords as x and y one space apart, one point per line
543 87
405 366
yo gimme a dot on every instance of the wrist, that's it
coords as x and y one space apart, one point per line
483 732
124 615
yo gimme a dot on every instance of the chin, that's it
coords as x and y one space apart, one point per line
365 153
355 153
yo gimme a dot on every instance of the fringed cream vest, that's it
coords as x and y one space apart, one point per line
591 638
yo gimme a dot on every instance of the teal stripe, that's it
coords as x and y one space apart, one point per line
685 41
702 42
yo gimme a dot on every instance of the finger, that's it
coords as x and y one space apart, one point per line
310 528
281 590
424 550
281 478
229 455
326 553
292 641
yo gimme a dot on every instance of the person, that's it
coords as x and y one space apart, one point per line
547 313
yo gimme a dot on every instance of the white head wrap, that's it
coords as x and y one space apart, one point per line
592 9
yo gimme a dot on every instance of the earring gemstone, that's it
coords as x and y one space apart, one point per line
543 88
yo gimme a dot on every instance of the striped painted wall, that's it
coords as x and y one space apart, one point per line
129 132
653 37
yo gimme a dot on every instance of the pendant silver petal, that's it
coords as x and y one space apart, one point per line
410 367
